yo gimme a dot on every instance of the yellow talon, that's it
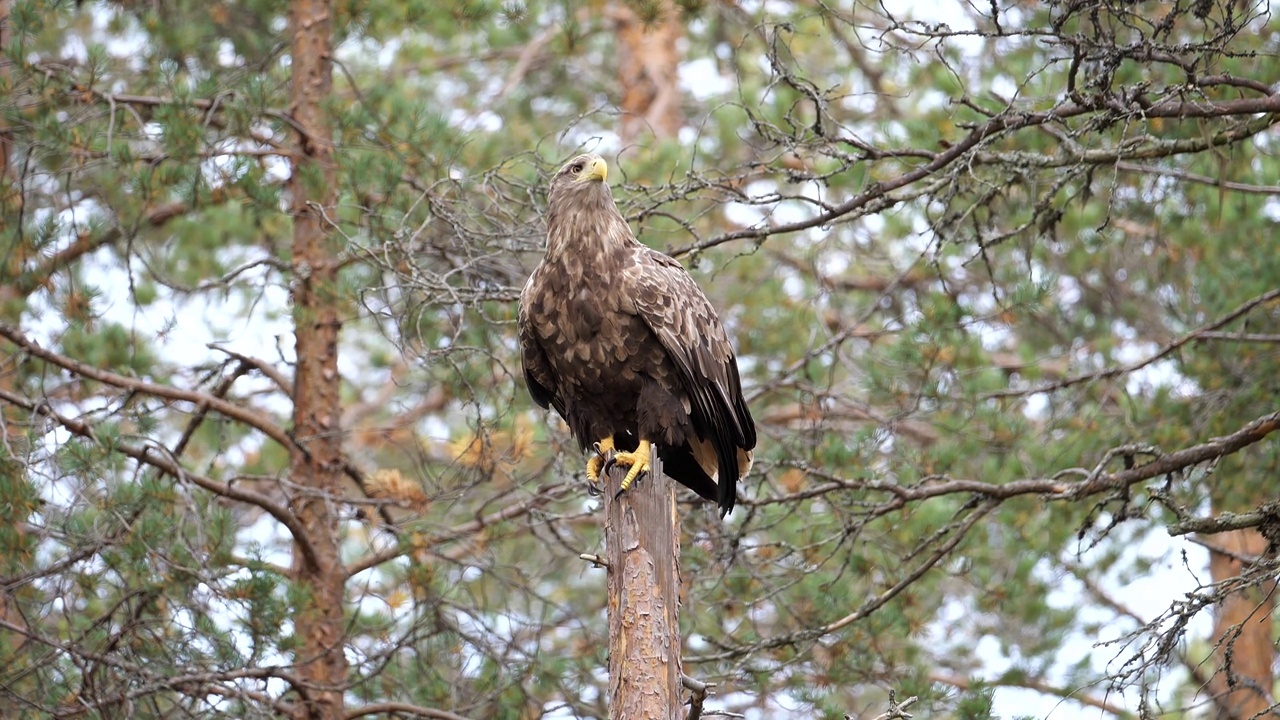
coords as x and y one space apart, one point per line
639 462
596 462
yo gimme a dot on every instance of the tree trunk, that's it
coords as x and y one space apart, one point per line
1242 630
6 136
10 203
10 312
648 59
642 548
316 469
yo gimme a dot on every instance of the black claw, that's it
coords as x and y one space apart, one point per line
593 489
634 483
608 465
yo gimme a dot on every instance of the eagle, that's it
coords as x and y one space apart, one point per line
622 342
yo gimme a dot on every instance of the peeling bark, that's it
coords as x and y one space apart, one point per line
11 265
8 193
316 468
642 548
648 58
1242 629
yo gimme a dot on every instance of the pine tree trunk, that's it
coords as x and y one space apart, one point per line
648 61
10 201
642 547
6 136
1242 629
316 470
9 307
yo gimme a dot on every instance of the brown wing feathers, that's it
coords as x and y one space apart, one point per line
537 371
697 344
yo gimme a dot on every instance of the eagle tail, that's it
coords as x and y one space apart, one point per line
727 462
700 467
681 465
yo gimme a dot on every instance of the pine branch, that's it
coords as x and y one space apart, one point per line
210 105
29 281
202 400
162 460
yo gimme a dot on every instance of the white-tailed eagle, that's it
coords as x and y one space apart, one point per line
625 346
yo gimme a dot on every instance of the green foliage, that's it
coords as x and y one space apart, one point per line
988 321
976 704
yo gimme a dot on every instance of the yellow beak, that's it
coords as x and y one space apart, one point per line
598 170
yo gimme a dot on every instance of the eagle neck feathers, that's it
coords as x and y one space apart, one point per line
586 228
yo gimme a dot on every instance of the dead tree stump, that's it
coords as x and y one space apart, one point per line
642 548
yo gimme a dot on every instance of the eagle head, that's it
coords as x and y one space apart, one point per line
583 183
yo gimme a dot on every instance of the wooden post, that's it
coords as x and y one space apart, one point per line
642 547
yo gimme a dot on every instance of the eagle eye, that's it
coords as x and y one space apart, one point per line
575 168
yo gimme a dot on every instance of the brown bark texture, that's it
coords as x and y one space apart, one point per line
6 136
1242 629
648 59
642 548
9 193
317 467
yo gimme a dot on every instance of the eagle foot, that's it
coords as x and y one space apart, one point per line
639 462
595 463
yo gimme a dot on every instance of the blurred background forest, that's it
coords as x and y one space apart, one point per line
1004 278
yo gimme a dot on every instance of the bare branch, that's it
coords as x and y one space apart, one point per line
401 708
1168 349
1194 670
252 418
283 383
1239 337
878 197
1196 178
542 497
698 695
1226 521
1074 694
1052 488
595 560
897 710
957 533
